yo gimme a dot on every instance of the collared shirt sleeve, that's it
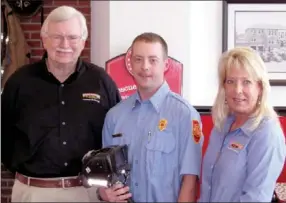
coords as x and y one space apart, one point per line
266 158
191 145
8 121
111 90
108 129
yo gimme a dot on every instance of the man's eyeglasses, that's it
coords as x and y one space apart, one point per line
72 39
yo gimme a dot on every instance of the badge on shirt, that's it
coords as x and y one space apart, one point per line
196 131
162 124
91 97
235 146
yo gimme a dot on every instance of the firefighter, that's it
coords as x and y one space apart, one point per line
163 132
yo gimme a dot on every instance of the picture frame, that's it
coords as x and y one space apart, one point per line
260 25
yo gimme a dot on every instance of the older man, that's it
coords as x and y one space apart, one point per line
53 113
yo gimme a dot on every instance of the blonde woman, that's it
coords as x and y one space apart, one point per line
246 152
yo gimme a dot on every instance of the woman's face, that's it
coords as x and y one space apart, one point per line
242 91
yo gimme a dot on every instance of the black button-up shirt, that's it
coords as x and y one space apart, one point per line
48 126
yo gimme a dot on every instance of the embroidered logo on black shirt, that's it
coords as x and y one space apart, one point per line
91 97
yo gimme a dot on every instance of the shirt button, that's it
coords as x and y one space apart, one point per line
136 184
63 102
62 85
63 123
212 166
209 187
65 163
64 142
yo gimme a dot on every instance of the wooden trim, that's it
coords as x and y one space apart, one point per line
203 110
281 110
206 110
255 1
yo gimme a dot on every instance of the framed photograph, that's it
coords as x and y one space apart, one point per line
260 25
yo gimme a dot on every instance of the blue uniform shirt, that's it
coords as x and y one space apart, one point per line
243 166
162 147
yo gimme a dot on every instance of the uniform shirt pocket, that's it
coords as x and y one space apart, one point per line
233 161
160 152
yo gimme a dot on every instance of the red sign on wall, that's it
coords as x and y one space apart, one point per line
119 70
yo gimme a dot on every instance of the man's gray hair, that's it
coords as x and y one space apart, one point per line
64 13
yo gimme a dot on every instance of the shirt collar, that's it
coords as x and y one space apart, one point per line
157 99
246 127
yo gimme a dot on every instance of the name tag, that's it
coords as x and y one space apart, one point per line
117 135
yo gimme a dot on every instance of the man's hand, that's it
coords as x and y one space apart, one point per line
117 193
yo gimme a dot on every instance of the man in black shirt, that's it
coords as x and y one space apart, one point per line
53 113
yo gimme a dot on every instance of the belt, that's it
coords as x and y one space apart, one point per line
49 183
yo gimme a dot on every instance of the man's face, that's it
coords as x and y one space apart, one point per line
148 63
64 42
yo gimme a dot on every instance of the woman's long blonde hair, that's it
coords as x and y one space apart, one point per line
250 61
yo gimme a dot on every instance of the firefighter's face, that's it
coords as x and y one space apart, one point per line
64 41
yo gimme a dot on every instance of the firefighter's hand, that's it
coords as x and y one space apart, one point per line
116 193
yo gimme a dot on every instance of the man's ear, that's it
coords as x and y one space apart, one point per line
83 44
166 62
44 42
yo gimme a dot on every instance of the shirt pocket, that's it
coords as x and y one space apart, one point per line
160 153
233 161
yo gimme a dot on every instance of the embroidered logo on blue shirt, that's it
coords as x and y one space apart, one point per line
235 146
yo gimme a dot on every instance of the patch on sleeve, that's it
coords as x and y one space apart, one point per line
196 131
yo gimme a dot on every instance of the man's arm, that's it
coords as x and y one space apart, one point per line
108 130
118 192
188 189
111 89
9 116
190 156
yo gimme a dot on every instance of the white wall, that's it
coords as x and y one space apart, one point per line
205 49
192 29
100 29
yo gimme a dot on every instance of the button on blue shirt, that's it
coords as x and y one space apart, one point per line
243 166
162 149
